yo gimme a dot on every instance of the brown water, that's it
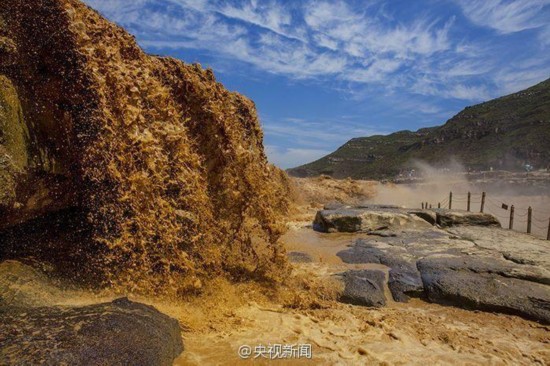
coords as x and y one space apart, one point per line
413 333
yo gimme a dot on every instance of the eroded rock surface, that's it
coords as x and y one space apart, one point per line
481 267
118 333
365 219
35 329
364 287
486 283
446 218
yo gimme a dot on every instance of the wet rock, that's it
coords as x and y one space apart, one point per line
405 283
299 257
517 247
366 220
485 268
447 218
404 278
467 283
341 220
121 332
364 287
36 329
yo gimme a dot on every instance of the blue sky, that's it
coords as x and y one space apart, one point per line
322 72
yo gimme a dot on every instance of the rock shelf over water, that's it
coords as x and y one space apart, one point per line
455 258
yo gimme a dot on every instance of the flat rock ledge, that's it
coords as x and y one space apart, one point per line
467 262
121 332
352 219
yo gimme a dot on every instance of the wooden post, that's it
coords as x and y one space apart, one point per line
511 226
422 205
450 200
439 205
482 202
529 219
430 206
548 235
469 198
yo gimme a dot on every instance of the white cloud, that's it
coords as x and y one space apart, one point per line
292 157
330 40
507 16
266 14
509 81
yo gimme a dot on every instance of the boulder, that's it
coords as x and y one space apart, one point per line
485 268
121 332
447 218
479 284
350 220
405 282
404 278
364 287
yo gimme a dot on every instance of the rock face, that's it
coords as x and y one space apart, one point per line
445 218
364 219
118 333
351 219
477 267
160 166
37 326
488 284
364 287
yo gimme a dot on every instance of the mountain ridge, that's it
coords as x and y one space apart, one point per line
504 133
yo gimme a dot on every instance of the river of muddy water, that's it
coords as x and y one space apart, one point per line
399 334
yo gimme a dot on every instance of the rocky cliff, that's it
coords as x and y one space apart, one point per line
122 167
504 133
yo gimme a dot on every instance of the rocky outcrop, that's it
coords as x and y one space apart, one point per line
161 169
366 219
121 332
39 324
476 267
364 287
488 284
446 218
379 218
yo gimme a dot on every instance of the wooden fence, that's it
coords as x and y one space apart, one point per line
469 199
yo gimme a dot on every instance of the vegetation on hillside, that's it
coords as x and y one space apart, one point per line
504 133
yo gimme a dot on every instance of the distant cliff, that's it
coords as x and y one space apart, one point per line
504 133
140 170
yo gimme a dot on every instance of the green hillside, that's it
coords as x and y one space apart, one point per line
504 133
